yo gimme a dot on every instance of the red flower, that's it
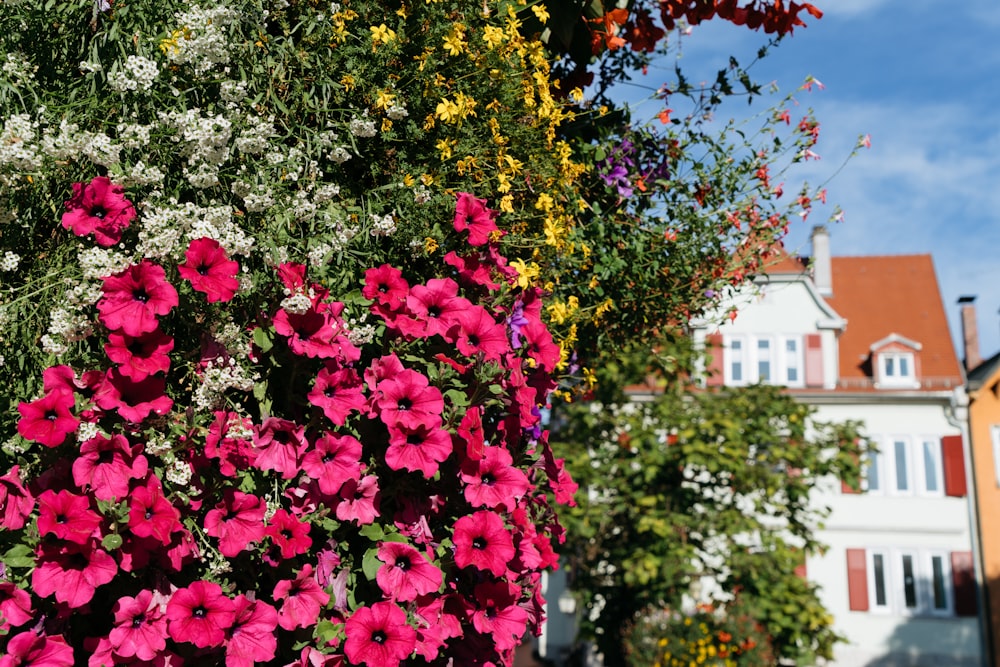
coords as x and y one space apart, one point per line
482 541
67 516
210 270
407 400
498 613
16 502
406 574
379 636
135 297
252 636
15 606
279 445
418 449
387 288
434 308
538 343
302 600
234 453
106 465
140 627
72 572
472 271
152 515
37 650
48 420
338 393
98 208
359 500
471 214
133 400
313 333
238 522
493 481
200 614
480 333
140 356
288 534
333 460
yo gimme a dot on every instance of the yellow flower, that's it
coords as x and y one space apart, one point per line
348 82
576 95
541 13
386 124
408 180
447 111
430 245
171 45
493 36
507 203
384 99
454 41
444 146
381 34
526 272
544 202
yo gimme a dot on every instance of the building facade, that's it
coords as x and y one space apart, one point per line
866 339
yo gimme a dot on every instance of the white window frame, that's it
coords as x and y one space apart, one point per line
885 463
750 356
894 583
894 362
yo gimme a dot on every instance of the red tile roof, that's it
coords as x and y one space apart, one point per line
883 295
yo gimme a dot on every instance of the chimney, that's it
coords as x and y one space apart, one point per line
821 264
970 335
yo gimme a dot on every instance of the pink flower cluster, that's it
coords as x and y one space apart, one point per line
368 505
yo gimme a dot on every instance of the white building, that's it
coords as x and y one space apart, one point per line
866 338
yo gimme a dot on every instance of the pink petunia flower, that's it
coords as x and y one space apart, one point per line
419 449
493 481
105 466
433 309
140 629
540 346
408 400
98 208
16 502
385 286
314 333
134 298
498 614
483 542
289 534
279 445
200 614
436 624
138 357
338 392
210 270
133 400
332 461
152 515
406 574
479 333
48 420
472 271
15 606
301 598
37 650
72 572
227 443
67 516
359 501
379 636
252 637
237 521
472 214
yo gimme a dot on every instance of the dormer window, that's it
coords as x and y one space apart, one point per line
894 362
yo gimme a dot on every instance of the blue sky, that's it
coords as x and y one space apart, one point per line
919 76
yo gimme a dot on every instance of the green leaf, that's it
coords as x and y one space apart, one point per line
370 563
112 542
262 339
373 532
19 555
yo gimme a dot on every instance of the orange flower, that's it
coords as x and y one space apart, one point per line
725 637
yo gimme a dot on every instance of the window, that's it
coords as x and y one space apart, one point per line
903 581
906 465
768 359
896 369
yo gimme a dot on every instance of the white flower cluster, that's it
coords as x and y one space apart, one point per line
382 225
342 233
165 228
7 217
359 330
233 92
68 325
362 127
219 377
9 261
296 304
100 262
86 430
255 134
178 472
340 155
140 174
138 73
89 68
134 135
17 143
203 40
397 112
18 69
233 338
205 138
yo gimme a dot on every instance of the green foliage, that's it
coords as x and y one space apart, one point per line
703 483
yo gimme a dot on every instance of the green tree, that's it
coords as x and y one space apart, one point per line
686 484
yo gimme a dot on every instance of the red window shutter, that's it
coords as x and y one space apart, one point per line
814 360
857 579
715 376
963 578
954 465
